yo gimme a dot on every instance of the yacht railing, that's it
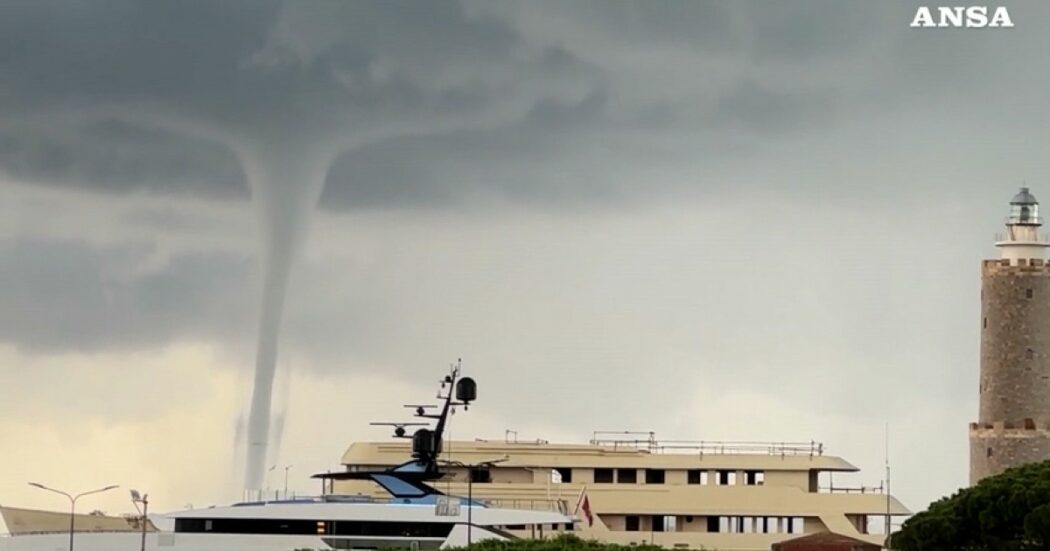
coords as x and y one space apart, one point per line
554 505
647 441
557 505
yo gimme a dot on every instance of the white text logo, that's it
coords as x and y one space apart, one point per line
961 16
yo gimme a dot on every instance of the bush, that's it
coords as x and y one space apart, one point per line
565 542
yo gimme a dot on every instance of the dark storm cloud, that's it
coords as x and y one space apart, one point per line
231 70
482 90
113 156
61 296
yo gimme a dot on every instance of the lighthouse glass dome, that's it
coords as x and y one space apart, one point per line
1024 208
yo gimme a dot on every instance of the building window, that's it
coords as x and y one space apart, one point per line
713 524
697 476
603 476
755 478
988 452
480 475
627 476
565 473
1028 293
657 522
631 523
654 476
726 478
1029 354
985 323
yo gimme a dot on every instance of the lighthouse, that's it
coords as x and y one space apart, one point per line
1013 426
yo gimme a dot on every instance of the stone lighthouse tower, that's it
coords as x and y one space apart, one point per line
1013 427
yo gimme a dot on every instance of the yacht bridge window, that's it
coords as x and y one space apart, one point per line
313 527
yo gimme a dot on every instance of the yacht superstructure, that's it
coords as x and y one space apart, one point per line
631 488
408 512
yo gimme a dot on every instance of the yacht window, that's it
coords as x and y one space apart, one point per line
654 476
697 476
311 527
566 474
631 523
603 476
627 476
480 475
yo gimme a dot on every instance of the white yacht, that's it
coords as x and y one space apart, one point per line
413 514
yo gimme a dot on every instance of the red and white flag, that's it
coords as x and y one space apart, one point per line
584 506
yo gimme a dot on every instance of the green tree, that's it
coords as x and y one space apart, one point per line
1008 512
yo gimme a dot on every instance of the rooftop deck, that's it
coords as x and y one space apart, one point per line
647 441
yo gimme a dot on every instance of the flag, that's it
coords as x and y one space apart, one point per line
584 506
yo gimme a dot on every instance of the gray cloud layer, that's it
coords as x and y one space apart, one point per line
449 102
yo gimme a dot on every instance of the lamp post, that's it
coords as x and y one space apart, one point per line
471 467
72 504
144 500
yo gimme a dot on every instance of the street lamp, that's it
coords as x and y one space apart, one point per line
471 467
72 504
286 467
144 500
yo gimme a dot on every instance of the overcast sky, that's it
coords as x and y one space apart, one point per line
720 221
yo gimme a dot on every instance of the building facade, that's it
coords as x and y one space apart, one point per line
1013 426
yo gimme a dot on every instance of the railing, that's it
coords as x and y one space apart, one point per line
618 440
555 505
853 490
1037 238
77 531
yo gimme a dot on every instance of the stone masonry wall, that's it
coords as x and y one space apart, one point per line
992 451
1014 421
